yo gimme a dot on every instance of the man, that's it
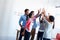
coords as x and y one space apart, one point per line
23 19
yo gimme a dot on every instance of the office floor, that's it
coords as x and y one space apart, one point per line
7 38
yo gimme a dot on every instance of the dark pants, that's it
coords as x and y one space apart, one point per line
20 37
40 35
46 39
27 35
32 34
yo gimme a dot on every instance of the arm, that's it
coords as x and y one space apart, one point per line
44 14
53 24
38 14
44 17
40 18
20 20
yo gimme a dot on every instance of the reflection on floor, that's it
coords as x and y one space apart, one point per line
12 38
7 38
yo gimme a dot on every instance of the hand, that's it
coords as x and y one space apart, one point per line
20 25
39 11
22 33
43 10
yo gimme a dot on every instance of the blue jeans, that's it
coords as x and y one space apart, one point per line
20 37
27 35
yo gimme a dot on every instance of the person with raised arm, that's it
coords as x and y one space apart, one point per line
49 26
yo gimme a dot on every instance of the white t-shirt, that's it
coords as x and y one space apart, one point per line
48 30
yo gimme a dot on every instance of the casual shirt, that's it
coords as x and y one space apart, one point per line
48 30
42 25
23 20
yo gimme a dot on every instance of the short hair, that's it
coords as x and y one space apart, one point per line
26 10
30 14
51 18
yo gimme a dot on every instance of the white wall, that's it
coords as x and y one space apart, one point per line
6 11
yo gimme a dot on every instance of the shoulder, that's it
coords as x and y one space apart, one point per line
51 24
22 15
29 20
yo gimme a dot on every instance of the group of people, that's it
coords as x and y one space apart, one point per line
28 26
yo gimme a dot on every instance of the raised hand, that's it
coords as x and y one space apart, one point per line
48 14
43 11
37 15
39 11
